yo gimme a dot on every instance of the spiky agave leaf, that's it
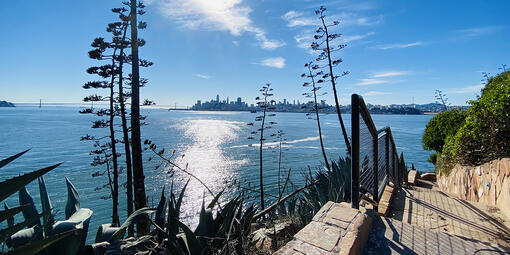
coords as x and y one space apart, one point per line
48 218
11 186
8 160
29 211
9 231
8 213
132 219
35 247
73 199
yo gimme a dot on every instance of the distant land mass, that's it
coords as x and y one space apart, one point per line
6 104
297 106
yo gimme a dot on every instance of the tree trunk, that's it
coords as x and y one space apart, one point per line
138 177
344 132
260 155
127 149
318 120
115 191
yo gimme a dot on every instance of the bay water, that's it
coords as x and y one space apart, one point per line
214 146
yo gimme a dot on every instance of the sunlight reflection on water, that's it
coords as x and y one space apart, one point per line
206 158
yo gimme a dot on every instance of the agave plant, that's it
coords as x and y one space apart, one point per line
226 230
30 236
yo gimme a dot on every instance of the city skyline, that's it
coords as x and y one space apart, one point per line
396 50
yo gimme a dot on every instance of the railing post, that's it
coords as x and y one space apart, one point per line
375 143
355 151
387 153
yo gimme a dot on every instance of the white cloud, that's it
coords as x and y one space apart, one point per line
478 31
350 38
467 90
236 43
215 15
297 19
398 46
272 44
203 76
371 81
277 62
389 74
380 78
376 93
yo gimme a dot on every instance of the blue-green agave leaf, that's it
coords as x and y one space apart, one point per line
48 218
9 231
8 160
104 232
8 213
194 246
35 247
132 219
29 211
11 186
73 199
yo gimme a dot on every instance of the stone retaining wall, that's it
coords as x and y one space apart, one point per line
488 183
335 229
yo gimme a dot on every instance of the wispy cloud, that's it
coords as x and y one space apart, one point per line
232 16
277 62
466 90
478 31
389 74
350 38
398 45
272 44
299 19
376 93
371 81
305 39
203 76
380 78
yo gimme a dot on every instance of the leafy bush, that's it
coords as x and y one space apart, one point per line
485 135
440 127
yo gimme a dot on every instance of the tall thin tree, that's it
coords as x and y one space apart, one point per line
138 176
123 43
324 36
265 104
315 106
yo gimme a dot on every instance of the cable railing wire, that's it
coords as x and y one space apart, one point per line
374 158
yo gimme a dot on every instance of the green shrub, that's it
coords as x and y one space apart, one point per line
485 135
440 127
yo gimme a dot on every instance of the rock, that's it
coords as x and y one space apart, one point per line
412 177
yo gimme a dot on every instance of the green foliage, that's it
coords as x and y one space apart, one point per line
333 185
29 236
485 135
433 158
225 231
440 127
135 217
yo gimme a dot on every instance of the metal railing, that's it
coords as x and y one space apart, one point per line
374 156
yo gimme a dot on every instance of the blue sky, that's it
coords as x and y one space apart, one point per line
396 50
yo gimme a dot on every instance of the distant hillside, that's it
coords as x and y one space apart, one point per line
6 104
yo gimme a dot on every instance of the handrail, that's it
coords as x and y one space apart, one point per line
376 175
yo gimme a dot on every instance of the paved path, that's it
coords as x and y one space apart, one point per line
424 220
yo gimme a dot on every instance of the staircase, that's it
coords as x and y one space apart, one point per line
424 220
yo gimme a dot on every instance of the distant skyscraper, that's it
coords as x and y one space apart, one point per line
217 98
239 100
284 101
227 100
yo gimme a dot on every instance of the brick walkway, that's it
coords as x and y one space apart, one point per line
424 220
